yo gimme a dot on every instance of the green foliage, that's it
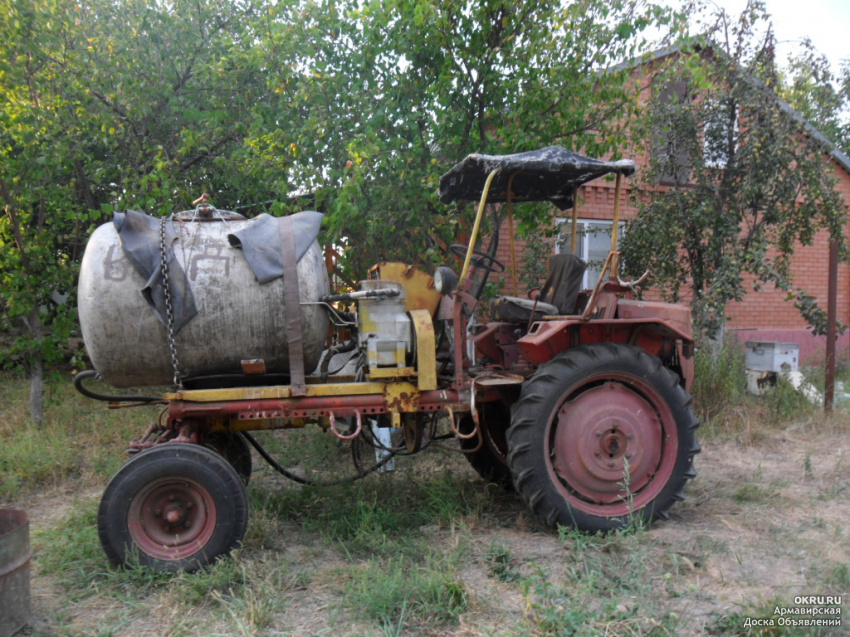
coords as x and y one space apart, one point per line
367 522
396 92
787 402
720 379
352 108
746 184
502 563
535 258
818 95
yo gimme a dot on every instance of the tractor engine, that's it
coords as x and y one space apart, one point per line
385 331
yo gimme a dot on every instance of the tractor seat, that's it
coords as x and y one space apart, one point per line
515 309
557 297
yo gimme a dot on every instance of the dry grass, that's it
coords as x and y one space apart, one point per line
432 550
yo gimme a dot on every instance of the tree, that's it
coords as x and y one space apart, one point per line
744 183
105 105
819 96
354 108
390 94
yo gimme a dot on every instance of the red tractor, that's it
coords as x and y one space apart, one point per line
576 398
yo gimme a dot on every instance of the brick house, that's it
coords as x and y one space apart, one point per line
763 315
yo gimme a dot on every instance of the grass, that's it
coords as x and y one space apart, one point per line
81 441
427 550
727 410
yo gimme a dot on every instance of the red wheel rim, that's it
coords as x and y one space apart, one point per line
172 518
612 446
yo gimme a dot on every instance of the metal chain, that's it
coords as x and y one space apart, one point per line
169 310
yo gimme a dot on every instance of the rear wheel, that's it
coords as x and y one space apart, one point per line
488 453
601 435
233 447
173 507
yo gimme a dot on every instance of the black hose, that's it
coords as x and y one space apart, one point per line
306 481
348 346
110 398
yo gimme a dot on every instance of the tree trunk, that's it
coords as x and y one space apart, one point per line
35 366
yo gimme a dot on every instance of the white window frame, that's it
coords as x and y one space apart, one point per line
562 243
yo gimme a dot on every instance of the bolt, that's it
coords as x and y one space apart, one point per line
612 465
187 524
597 454
157 512
598 434
189 505
630 437
171 498
629 456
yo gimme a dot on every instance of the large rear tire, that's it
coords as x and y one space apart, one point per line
173 507
233 447
602 435
487 454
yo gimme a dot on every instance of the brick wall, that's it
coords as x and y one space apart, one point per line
767 309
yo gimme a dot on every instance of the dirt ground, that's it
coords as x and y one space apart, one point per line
764 523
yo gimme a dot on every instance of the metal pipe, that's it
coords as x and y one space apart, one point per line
481 204
511 226
831 319
361 294
574 229
615 262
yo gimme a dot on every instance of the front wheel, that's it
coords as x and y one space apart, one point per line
173 507
601 435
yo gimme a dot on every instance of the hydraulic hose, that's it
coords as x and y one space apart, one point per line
110 398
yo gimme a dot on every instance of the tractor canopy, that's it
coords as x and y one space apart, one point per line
549 174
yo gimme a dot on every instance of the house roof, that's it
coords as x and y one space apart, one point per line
834 152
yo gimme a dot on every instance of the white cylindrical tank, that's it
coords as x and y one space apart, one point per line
238 318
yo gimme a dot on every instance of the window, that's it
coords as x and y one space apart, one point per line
669 148
593 243
720 133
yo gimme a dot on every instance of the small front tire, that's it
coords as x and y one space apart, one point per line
174 507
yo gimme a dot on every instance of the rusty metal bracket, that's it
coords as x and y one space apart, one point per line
401 397
456 431
426 348
358 429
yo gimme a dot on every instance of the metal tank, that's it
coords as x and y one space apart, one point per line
237 317
15 555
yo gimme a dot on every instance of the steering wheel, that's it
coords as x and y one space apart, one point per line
480 260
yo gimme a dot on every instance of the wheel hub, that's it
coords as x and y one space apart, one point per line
171 518
607 443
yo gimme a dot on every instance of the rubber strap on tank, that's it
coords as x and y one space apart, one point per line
292 308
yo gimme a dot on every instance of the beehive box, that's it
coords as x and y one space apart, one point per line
769 356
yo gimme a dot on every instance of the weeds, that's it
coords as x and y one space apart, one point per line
80 441
430 549
720 380
392 594
501 563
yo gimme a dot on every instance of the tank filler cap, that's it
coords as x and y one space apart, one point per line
203 206
205 211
